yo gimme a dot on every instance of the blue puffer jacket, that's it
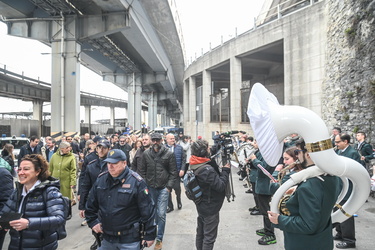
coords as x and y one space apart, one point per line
44 216
180 156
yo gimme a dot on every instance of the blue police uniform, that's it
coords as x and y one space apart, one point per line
123 202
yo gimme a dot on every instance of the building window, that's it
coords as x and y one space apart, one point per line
220 105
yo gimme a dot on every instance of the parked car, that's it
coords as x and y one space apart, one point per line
17 142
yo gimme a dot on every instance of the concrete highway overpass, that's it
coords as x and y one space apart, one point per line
136 45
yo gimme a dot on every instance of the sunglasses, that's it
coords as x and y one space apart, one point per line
296 152
155 139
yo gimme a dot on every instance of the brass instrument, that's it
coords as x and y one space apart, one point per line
282 172
272 122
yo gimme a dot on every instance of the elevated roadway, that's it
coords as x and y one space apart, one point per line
134 44
13 85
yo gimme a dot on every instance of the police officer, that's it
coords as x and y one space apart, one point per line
121 198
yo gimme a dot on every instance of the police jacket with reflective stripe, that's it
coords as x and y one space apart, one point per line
121 202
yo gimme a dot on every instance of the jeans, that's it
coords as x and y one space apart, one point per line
206 231
106 245
160 197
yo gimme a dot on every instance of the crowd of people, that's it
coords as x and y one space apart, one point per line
123 185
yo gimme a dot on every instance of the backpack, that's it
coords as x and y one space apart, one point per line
61 231
5 164
192 189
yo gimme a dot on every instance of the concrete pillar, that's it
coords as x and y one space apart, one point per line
185 116
135 102
192 107
112 116
235 92
162 110
38 114
88 116
65 88
152 110
206 95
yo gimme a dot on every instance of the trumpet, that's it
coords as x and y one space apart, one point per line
283 171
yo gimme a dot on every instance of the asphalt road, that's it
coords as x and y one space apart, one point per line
236 228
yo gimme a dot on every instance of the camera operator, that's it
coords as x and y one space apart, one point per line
213 184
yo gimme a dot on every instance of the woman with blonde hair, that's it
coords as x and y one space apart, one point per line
63 167
132 152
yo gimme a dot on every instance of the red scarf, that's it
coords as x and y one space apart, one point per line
194 160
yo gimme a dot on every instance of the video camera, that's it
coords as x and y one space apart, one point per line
225 141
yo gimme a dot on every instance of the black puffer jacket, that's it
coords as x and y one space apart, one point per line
158 168
6 187
44 216
212 183
93 169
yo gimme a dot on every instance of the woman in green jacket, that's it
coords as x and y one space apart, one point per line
63 167
308 225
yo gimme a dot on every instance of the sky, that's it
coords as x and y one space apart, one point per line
205 23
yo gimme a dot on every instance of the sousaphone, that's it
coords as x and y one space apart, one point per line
272 122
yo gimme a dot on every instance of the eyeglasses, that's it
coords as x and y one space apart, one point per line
338 141
122 141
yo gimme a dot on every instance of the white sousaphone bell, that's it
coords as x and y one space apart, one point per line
272 122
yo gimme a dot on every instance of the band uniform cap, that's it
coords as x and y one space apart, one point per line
156 136
104 143
97 138
115 155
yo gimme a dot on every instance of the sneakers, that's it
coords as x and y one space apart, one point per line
267 240
253 208
261 232
158 245
255 212
84 223
344 245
